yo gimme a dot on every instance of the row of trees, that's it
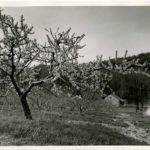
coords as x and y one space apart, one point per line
19 52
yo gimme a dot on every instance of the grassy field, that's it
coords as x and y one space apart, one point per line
55 130
65 127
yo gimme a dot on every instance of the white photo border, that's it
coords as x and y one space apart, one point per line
30 3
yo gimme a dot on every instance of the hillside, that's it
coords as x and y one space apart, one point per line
143 57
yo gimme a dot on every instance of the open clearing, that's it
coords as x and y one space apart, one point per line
120 127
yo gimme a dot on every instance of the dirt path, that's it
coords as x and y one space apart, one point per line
130 131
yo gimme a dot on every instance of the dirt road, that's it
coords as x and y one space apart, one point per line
131 131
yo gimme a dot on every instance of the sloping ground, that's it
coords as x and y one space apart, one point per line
56 131
105 125
132 131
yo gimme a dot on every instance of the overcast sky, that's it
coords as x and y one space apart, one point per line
107 29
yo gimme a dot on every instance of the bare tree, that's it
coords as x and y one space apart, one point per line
18 53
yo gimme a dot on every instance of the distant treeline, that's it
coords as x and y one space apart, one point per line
143 57
133 86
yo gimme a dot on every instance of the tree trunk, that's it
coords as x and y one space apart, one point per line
26 108
142 104
141 100
137 105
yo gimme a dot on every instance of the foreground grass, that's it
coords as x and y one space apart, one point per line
56 131
51 128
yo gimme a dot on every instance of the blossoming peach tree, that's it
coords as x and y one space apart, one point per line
19 52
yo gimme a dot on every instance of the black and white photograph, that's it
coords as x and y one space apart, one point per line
74 75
